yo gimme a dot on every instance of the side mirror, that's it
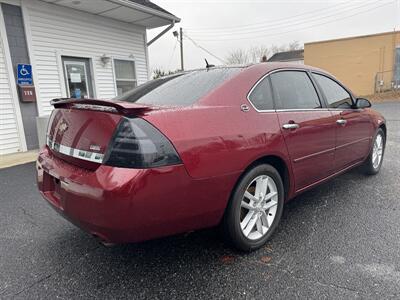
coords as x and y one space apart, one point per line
362 103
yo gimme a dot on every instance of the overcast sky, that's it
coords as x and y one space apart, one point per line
221 26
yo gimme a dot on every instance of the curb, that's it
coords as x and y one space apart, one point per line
11 160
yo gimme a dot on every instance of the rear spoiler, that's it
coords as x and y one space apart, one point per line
125 108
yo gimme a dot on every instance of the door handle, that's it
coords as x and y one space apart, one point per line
290 126
341 122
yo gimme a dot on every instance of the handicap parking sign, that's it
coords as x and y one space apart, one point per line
24 74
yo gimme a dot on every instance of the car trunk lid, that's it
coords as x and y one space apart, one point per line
79 131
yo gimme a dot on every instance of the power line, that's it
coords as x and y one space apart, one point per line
274 21
297 29
287 23
172 54
202 48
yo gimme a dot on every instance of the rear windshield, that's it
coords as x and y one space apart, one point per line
179 89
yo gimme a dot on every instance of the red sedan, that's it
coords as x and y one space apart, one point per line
221 146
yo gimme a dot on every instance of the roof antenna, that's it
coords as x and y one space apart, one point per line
208 65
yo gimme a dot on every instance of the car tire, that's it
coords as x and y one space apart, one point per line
241 205
370 166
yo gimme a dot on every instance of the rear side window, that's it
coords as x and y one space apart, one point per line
261 95
294 90
336 96
180 89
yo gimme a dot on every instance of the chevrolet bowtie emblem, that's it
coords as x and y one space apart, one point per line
63 127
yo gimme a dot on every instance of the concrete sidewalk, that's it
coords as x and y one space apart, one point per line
15 159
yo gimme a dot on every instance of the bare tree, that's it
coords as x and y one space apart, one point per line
256 53
237 57
158 72
276 49
295 45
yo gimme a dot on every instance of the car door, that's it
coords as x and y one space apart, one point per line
354 127
307 126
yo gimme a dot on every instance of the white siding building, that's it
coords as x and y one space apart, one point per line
77 48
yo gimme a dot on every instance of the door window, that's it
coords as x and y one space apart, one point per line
125 75
76 79
336 96
261 95
294 90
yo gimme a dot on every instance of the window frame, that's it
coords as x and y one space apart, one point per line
320 96
128 59
337 82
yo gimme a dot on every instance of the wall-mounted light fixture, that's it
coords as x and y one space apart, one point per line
105 60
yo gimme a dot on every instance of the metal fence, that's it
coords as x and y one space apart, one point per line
387 81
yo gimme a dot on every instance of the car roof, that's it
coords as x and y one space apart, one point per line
265 67
271 66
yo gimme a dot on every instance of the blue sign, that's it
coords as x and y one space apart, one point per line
24 74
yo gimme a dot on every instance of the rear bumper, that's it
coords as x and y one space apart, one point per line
129 205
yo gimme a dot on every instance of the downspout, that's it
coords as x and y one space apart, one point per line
161 33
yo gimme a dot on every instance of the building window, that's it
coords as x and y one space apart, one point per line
125 75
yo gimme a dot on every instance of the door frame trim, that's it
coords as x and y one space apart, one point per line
60 67
353 142
296 160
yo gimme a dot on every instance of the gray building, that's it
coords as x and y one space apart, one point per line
293 56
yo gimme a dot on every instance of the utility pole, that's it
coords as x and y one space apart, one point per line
179 36
181 42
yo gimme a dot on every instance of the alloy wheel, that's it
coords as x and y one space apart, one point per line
377 151
258 207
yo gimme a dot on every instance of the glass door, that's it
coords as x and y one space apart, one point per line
77 78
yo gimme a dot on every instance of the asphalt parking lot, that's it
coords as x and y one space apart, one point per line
340 240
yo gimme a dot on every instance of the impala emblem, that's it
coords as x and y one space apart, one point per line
94 147
63 127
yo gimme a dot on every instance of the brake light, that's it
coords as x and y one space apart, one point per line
138 144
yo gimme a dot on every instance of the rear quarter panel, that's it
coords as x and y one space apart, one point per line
215 137
214 141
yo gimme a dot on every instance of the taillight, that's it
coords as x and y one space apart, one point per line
138 144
